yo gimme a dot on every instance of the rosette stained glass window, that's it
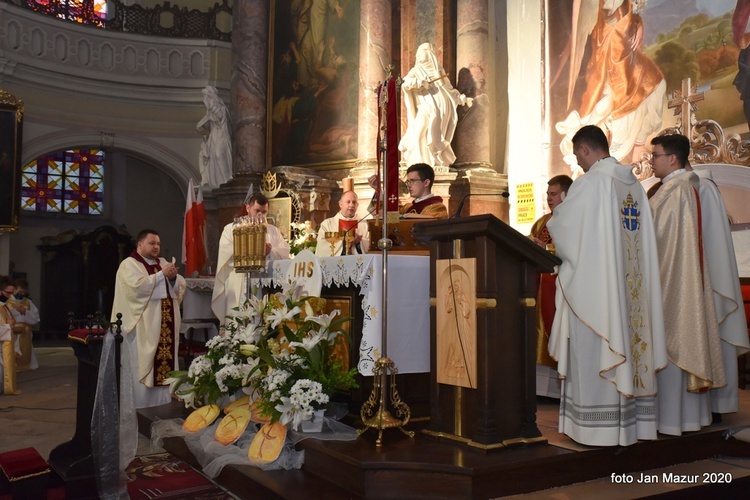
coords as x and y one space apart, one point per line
69 181
81 11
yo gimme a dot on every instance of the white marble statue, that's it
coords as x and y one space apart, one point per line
215 158
430 102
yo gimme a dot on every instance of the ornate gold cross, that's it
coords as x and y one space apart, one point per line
683 101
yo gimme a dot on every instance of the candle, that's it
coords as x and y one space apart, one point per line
348 183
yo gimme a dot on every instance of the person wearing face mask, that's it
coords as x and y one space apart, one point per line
10 348
348 205
229 286
548 383
26 315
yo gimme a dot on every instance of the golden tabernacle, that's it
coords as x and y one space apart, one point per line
249 240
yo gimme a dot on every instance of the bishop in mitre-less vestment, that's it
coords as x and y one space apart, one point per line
608 331
150 307
692 329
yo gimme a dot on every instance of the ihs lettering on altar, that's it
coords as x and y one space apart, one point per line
303 269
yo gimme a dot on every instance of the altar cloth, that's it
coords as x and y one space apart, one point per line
408 341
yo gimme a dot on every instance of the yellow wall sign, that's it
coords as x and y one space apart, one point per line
525 206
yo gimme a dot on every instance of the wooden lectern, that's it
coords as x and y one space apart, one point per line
501 411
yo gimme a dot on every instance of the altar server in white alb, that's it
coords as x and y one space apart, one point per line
608 331
148 293
229 286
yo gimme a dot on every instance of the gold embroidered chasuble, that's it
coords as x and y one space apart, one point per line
691 326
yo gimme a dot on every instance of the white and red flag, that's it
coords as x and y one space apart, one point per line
193 237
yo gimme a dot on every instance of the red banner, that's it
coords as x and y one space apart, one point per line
388 106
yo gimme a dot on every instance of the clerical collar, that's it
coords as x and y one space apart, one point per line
348 218
149 260
428 195
676 172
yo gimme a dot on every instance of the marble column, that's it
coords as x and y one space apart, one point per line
249 86
248 104
478 181
472 139
375 55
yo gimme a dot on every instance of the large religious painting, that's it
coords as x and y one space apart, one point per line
11 121
618 63
313 82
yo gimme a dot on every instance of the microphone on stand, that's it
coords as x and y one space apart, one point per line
504 194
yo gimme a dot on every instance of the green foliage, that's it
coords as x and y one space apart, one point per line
676 63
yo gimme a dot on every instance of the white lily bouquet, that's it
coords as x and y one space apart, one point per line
303 237
281 350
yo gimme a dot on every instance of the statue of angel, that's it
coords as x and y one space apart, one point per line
430 102
215 157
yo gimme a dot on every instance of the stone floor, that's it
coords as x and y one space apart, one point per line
43 415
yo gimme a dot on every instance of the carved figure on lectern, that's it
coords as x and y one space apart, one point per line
430 102
215 158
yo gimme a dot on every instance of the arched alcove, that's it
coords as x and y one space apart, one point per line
143 189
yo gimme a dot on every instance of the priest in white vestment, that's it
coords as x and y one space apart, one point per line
725 281
692 329
150 306
229 286
608 331
348 205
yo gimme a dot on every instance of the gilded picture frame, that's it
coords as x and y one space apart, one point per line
280 214
342 347
11 141
313 84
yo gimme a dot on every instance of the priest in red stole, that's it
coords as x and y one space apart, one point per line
150 308
547 382
345 220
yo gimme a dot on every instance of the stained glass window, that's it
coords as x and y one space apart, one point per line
81 11
70 181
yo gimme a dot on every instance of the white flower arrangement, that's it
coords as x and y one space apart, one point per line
302 237
278 350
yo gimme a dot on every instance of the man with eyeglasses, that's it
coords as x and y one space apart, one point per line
10 347
419 180
608 332
694 343
148 293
